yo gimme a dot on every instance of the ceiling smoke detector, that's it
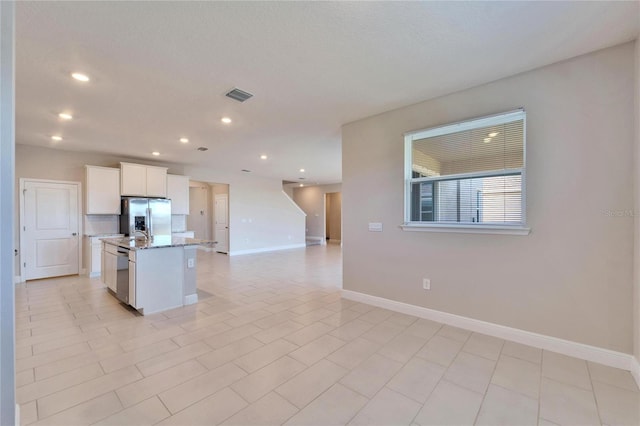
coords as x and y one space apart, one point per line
238 95
202 148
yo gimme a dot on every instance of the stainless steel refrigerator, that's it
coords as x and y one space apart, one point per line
151 216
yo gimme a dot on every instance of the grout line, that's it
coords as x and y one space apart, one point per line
593 392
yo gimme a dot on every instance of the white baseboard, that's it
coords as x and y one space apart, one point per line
94 274
17 279
323 240
17 414
555 344
190 299
635 370
267 249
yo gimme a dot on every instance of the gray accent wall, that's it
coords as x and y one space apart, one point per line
572 277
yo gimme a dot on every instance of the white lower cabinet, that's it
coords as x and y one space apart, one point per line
95 264
110 267
133 300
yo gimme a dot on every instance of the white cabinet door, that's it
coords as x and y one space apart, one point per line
110 269
103 190
156 182
178 193
96 259
103 270
133 180
133 300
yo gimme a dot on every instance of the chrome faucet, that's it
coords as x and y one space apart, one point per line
145 234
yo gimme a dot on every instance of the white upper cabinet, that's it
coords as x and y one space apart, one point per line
156 181
103 190
138 180
133 179
178 192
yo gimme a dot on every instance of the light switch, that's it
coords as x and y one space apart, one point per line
190 263
375 227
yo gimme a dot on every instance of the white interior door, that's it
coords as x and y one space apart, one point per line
50 229
222 222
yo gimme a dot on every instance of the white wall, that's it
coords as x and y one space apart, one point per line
311 201
572 276
261 216
7 158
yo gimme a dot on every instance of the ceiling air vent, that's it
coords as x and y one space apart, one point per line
239 95
202 148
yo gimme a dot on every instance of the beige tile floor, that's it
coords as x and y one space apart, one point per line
272 342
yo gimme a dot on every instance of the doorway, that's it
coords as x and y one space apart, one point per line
49 225
199 218
209 213
333 217
221 222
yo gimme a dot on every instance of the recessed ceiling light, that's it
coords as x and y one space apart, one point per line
65 116
493 134
56 138
301 185
184 140
263 157
156 153
225 120
301 170
80 77
487 140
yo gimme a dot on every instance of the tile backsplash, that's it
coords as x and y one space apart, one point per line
110 224
178 223
101 224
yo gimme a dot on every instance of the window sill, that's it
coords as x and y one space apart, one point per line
467 229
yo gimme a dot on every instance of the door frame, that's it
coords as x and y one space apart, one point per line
78 185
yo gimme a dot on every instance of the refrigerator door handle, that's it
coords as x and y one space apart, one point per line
149 215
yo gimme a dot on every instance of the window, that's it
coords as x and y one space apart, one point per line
467 176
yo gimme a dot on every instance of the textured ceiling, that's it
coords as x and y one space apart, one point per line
159 70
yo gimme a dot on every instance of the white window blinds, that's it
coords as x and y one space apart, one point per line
468 173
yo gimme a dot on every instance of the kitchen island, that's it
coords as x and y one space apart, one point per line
151 275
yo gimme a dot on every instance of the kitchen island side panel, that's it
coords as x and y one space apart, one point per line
161 275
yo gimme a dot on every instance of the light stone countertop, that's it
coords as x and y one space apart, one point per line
157 241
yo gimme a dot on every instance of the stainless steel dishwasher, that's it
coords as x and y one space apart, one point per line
122 275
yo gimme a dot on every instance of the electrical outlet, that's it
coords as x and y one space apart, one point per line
191 263
426 283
